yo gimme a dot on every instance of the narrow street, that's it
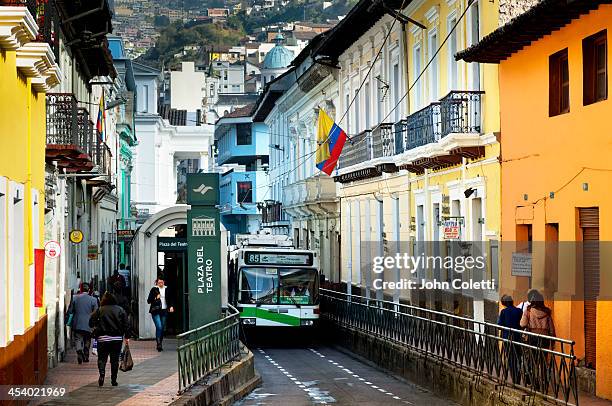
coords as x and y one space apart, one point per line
313 373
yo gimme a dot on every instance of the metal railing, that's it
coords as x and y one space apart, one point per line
460 111
383 140
401 134
62 119
205 349
102 157
532 362
424 126
357 150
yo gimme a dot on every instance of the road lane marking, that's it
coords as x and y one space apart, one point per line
354 375
316 394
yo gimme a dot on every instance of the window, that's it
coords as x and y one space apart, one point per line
243 134
347 103
356 112
433 69
595 77
452 63
416 72
366 105
396 92
245 192
558 87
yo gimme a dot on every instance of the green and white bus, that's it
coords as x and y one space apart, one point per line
274 286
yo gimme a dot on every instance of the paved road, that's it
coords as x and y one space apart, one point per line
322 375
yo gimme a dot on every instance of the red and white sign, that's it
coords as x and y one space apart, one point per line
53 249
452 229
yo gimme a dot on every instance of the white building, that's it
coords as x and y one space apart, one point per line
187 88
162 146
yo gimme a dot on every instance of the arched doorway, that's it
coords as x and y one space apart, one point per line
146 261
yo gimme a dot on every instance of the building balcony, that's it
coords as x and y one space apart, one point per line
437 136
72 140
272 214
46 18
311 196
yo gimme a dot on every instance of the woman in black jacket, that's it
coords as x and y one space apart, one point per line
110 327
161 305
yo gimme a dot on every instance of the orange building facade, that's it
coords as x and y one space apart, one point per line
556 142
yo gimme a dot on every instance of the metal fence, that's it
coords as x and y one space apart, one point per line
532 362
383 140
205 349
460 111
356 150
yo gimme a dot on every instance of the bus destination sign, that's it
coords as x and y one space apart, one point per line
277 258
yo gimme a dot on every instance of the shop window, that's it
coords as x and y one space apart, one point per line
243 134
558 84
245 192
595 65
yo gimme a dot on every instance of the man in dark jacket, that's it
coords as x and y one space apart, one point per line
81 308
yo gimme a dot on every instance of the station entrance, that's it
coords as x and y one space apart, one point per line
172 264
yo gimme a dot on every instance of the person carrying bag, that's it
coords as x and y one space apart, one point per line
110 327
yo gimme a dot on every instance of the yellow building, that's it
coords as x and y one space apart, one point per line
417 163
556 170
27 71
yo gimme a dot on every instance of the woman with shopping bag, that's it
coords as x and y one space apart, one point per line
110 327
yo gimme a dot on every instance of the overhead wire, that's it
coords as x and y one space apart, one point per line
398 103
308 155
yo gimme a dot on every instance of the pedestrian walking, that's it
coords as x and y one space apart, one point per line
110 327
530 296
538 319
81 307
160 305
510 317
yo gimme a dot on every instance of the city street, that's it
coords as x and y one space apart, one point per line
323 375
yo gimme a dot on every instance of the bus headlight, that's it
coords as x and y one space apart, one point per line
248 321
307 322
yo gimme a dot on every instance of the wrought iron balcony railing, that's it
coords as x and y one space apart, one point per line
273 212
460 112
400 130
457 112
424 126
383 140
102 157
67 124
357 150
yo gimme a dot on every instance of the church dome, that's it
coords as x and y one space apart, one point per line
279 57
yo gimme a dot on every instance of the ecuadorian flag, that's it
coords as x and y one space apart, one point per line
330 139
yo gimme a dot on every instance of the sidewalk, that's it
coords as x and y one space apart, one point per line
153 381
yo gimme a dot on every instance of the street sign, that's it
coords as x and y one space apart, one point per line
92 252
123 235
170 244
76 236
451 229
203 249
521 264
53 249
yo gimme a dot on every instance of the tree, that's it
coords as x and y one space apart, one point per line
161 21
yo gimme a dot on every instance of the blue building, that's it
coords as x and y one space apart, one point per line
243 156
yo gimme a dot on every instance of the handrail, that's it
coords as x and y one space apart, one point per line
486 349
207 348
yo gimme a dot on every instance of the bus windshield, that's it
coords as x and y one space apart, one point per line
279 286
